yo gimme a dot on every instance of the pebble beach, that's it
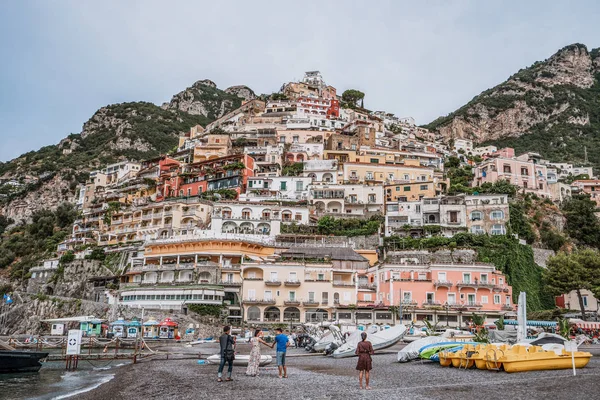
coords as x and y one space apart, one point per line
319 377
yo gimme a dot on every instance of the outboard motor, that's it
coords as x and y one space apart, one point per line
331 348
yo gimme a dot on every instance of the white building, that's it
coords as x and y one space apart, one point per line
121 171
485 150
287 188
324 171
463 144
255 218
351 200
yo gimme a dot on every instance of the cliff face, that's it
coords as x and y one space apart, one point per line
203 98
547 107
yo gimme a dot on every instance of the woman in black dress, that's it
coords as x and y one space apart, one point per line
364 350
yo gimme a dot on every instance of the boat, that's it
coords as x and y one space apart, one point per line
534 358
380 340
241 360
201 341
12 361
323 342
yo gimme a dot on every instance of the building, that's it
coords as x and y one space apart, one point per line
571 301
122 171
305 285
527 175
465 145
487 214
409 191
321 171
255 218
347 199
484 151
287 188
588 186
354 172
442 292
41 275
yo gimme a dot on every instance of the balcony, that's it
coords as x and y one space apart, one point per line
475 284
291 302
310 303
431 304
253 279
447 284
295 283
235 267
251 301
273 283
473 304
369 286
267 301
409 303
343 284
230 283
507 307
317 280
185 266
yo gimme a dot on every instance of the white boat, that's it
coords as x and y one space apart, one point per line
201 341
322 343
241 360
380 340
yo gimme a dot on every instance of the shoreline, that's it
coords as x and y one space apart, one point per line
323 377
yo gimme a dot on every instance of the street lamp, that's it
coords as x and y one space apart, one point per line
447 307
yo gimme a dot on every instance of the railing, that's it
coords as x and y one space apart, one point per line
317 280
253 279
366 286
186 266
310 303
343 284
291 302
235 267
506 307
431 303
230 283
292 283
475 284
443 283
273 283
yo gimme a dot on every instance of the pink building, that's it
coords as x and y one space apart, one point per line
446 290
527 175
588 186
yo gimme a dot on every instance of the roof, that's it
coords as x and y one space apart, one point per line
334 253
531 323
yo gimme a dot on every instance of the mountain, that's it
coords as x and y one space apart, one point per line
133 131
551 107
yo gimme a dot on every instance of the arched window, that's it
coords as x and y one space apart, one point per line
253 314
476 216
498 230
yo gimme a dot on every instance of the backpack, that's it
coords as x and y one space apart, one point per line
229 352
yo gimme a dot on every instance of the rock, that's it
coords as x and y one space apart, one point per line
241 91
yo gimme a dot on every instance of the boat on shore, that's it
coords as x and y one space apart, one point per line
13 361
380 340
241 360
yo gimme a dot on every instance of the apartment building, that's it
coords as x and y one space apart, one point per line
465 145
347 199
382 173
321 171
267 159
255 218
527 175
305 285
288 188
409 191
481 214
570 301
565 170
442 292
484 151
300 152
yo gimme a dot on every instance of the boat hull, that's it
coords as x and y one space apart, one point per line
241 360
559 362
20 361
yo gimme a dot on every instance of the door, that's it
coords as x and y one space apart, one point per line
251 294
471 299
268 295
451 298
273 276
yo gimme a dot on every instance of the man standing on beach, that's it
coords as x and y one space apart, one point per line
227 343
282 345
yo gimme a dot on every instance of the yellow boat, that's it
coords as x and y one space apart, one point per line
534 358
462 358
445 360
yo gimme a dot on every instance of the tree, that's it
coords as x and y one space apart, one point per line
577 271
582 223
352 97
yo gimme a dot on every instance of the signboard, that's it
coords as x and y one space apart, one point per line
74 342
571 346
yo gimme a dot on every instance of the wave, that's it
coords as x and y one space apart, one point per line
103 380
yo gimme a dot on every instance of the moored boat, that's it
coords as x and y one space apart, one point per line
12 361
380 340
241 360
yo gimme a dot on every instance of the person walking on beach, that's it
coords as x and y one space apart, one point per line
364 350
227 343
254 360
283 343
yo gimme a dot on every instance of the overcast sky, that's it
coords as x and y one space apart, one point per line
62 60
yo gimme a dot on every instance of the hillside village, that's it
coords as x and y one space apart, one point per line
305 206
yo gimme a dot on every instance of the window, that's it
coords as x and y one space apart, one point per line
251 294
369 176
406 177
585 300
476 216
407 188
324 298
295 139
372 198
454 217
292 295
283 185
374 161
501 281
268 295
274 276
471 299
484 299
483 278
311 297
430 297
299 186
477 230
497 214
507 300
367 297
407 297
506 169
498 230
451 298
524 171
189 191
321 277
293 277
442 276
467 278
424 187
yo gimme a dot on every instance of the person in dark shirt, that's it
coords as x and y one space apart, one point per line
227 343
282 342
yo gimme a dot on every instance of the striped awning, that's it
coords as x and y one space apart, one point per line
548 324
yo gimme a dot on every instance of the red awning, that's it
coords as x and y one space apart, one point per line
168 322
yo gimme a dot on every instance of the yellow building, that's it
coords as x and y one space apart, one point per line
409 191
357 172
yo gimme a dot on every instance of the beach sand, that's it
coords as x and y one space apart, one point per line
318 377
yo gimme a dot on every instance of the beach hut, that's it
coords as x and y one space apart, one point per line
133 328
150 328
91 328
167 329
118 328
57 329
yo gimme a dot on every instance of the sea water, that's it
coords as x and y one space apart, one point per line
54 382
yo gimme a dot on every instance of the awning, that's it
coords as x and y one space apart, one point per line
168 322
84 318
548 324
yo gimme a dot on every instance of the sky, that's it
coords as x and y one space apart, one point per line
62 60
